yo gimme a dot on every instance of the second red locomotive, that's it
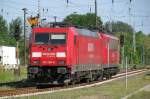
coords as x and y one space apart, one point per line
69 54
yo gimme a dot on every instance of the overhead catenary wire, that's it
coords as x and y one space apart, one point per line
73 5
52 7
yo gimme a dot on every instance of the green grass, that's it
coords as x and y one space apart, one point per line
9 76
113 90
141 95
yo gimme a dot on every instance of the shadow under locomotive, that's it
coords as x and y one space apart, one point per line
19 84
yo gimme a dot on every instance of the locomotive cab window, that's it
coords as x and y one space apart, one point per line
57 39
50 38
41 38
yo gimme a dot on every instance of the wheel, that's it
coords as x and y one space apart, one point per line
88 80
73 82
101 77
66 84
108 76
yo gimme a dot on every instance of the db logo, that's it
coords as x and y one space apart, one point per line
90 47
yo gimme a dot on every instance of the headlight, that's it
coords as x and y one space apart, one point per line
36 62
61 62
60 54
36 54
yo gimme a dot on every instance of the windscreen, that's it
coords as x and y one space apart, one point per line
57 39
41 38
50 38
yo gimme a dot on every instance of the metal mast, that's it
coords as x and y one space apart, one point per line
39 12
24 28
96 13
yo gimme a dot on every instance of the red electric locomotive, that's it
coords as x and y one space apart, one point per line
61 55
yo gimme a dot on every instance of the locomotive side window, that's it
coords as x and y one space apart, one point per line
75 39
0 58
86 32
41 38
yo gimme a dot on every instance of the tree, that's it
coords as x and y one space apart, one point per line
139 46
16 28
147 49
118 27
3 31
87 20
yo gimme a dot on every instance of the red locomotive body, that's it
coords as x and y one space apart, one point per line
69 54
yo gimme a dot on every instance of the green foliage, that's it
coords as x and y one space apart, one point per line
147 49
15 28
3 26
8 35
3 31
118 27
9 76
5 38
87 20
141 95
112 90
142 42
21 51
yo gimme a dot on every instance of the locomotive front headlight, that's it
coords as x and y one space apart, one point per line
60 54
61 62
36 54
36 62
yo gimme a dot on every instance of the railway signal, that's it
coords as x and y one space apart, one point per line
17 32
17 37
121 40
33 21
122 49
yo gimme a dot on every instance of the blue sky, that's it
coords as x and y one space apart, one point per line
139 16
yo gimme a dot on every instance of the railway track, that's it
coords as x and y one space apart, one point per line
29 91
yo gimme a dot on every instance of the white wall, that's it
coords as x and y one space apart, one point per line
8 55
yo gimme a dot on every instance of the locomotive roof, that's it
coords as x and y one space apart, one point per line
80 30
